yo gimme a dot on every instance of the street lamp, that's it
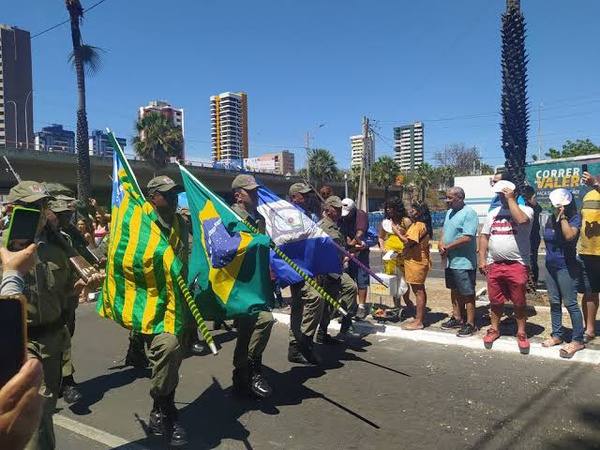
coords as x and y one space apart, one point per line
27 123
16 123
309 135
345 185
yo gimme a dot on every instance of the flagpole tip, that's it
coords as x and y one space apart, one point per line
342 311
213 348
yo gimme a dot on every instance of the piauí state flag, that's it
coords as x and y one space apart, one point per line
140 291
296 235
229 266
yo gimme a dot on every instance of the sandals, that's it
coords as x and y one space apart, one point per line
587 338
569 350
552 341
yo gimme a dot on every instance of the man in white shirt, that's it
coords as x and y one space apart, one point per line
504 253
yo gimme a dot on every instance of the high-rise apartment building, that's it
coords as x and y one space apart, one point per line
408 146
357 145
282 162
100 145
229 127
175 114
16 88
55 139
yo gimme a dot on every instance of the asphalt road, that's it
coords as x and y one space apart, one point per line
379 393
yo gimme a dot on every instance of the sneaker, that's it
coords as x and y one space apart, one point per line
466 330
490 337
523 343
452 324
361 313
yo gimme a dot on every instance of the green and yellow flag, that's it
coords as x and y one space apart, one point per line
144 290
229 265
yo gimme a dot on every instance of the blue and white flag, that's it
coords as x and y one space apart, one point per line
298 237
117 187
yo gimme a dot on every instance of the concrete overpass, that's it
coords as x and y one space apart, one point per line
62 168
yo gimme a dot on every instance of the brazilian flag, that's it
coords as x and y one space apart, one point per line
229 266
143 290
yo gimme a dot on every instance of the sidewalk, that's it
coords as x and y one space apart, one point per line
440 309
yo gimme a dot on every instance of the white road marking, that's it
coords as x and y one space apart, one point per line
94 434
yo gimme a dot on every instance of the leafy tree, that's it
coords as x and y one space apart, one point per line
515 113
83 57
423 179
323 166
384 172
158 139
578 148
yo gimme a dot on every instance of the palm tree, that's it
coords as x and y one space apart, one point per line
515 114
444 177
423 179
323 166
82 57
383 173
158 139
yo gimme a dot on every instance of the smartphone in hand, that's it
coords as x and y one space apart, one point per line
13 336
22 228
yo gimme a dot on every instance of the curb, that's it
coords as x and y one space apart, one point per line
505 344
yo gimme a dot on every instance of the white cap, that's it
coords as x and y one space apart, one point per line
560 197
347 206
501 185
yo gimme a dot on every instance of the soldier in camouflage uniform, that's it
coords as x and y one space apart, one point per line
253 330
47 287
339 286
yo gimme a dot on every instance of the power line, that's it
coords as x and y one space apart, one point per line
65 21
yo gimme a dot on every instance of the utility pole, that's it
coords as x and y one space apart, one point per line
540 142
308 156
362 199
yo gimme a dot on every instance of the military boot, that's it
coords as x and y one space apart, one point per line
259 386
241 382
69 391
306 347
164 420
295 356
136 356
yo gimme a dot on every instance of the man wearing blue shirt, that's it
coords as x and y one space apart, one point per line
458 247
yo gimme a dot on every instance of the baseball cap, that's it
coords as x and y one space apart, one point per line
244 182
162 183
347 206
28 192
300 188
560 197
334 201
58 206
59 191
501 185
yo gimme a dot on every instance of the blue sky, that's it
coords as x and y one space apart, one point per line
332 61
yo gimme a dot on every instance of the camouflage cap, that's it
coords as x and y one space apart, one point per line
59 191
59 205
162 183
244 182
28 192
334 201
300 188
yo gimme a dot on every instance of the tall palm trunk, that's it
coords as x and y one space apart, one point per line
515 114
82 143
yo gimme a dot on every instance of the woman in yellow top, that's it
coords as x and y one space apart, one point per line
416 257
395 214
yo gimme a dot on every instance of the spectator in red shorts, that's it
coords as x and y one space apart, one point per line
504 253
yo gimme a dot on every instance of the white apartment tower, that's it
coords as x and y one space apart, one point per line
229 127
357 145
408 146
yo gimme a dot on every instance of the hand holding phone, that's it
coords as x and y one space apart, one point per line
21 261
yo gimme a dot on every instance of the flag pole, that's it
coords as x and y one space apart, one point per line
312 283
179 279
